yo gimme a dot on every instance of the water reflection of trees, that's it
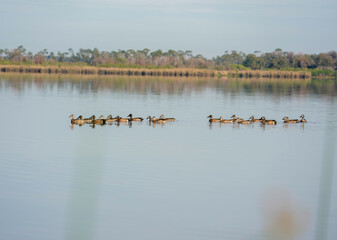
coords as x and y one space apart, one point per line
142 85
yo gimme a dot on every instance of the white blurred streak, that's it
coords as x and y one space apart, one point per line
327 175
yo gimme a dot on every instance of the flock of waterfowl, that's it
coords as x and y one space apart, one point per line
234 119
262 120
102 121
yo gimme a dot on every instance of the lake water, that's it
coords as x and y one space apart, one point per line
182 180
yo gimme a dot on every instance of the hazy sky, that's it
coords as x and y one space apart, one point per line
209 27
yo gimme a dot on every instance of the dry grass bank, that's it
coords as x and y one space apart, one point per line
269 74
179 72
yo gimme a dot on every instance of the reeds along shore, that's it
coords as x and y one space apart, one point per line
183 72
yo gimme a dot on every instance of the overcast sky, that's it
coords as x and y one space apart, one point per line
209 27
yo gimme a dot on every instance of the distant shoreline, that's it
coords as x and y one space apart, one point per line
175 72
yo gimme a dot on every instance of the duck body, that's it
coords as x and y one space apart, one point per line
119 119
158 120
211 119
241 121
236 119
287 120
78 120
137 119
110 119
167 119
99 121
88 120
268 122
226 120
252 119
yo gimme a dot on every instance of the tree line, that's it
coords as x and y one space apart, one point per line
277 59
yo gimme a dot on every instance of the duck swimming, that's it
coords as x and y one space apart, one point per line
158 120
150 119
110 119
155 120
137 119
241 121
99 121
252 119
302 119
211 119
269 122
225 120
119 119
88 120
79 120
235 119
287 120
167 119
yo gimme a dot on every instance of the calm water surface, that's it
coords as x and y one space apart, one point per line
181 180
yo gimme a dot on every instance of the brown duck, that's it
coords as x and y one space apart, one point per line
137 119
268 122
88 120
287 120
241 121
158 120
99 121
110 119
167 119
211 119
119 119
252 119
303 120
78 120
235 119
225 120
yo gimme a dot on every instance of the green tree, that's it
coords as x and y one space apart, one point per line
251 61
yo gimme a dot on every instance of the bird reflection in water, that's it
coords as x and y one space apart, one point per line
123 123
155 124
302 126
73 125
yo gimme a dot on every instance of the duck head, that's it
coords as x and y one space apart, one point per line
210 116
